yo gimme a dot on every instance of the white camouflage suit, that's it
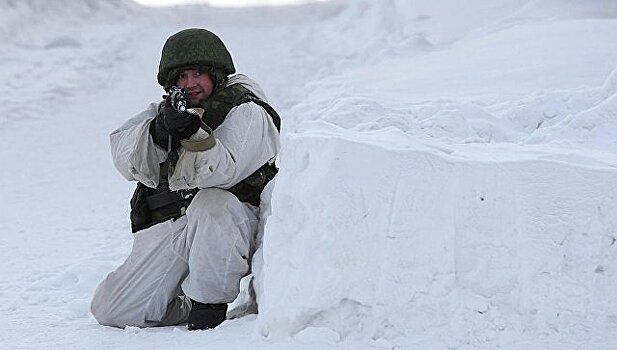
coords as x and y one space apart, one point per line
206 252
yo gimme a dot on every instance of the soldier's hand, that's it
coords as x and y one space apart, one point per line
181 125
158 130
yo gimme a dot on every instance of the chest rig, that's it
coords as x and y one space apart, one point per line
150 206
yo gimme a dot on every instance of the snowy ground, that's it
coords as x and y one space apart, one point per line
448 178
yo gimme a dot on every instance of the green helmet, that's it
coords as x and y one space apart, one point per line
193 47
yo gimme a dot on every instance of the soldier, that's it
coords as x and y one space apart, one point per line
200 173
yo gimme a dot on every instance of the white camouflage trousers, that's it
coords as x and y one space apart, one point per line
203 254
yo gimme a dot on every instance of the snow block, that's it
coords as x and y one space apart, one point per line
375 239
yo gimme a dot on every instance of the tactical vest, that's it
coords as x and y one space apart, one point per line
150 206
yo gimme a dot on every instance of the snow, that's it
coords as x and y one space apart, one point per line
448 175
222 3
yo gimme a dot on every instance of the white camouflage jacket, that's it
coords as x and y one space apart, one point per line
244 142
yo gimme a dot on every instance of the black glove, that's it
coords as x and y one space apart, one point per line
159 132
180 125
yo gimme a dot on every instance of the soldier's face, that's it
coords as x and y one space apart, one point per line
198 85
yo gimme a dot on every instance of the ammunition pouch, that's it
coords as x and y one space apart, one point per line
150 206
249 190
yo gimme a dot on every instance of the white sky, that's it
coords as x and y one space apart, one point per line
224 3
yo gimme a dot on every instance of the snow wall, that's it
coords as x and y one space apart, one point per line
386 241
466 219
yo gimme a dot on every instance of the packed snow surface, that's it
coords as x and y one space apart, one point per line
448 178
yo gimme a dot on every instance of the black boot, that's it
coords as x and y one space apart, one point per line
206 316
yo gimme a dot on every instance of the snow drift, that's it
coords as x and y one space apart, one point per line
432 208
385 241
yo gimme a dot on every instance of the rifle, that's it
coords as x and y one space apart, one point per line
177 97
